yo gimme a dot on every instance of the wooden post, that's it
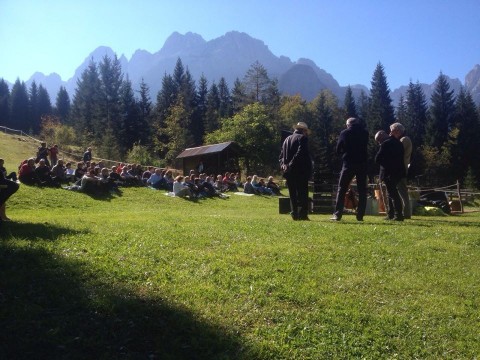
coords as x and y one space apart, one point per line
459 196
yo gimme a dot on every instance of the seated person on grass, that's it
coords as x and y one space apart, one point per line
80 171
115 176
44 175
27 174
272 185
69 172
12 176
219 184
259 186
147 173
169 179
156 180
107 183
90 184
127 177
248 187
180 189
58 172
229 182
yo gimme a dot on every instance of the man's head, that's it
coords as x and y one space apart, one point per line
381 136
303 127
352 121
397 130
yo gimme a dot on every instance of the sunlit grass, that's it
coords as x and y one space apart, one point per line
144 275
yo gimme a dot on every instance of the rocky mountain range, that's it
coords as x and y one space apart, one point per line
229 56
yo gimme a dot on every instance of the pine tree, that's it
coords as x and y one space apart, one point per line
363 105
145 113
19 107
111 79
212 117
34 113
321 139
465 154
225 108
178 77
189 96
239 96
4 104
129 127
349 105
441 111
416 114
62 105
86 103
165 99
381 112
272 97
44 105
198 119
401 111
257 83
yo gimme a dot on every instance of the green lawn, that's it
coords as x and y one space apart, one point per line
147 276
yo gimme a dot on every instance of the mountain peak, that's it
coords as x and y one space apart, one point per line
177 42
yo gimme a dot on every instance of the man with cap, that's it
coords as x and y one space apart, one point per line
296 165
352 145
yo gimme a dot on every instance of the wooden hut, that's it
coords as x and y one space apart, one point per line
211 159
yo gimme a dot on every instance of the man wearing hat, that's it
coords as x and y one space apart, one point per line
352 145
296 165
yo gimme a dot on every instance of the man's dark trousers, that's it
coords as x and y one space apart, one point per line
346 176
298 189
395 204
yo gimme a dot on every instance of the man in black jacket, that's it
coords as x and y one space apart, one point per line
296 165
392 169
352 145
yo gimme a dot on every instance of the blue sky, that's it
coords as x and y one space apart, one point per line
413 39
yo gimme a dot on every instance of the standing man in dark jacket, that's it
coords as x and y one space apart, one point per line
392 169
87 155
352 145
296 165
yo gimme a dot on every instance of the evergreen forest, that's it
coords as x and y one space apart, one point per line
126 124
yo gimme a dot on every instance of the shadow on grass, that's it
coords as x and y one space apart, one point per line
31 231
429 222
54 308
103 195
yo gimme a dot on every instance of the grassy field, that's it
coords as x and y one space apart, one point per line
145 276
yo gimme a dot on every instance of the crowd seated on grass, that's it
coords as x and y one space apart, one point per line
95 178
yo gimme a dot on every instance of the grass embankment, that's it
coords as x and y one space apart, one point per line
143 275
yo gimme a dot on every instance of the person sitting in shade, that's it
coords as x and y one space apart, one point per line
12 176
